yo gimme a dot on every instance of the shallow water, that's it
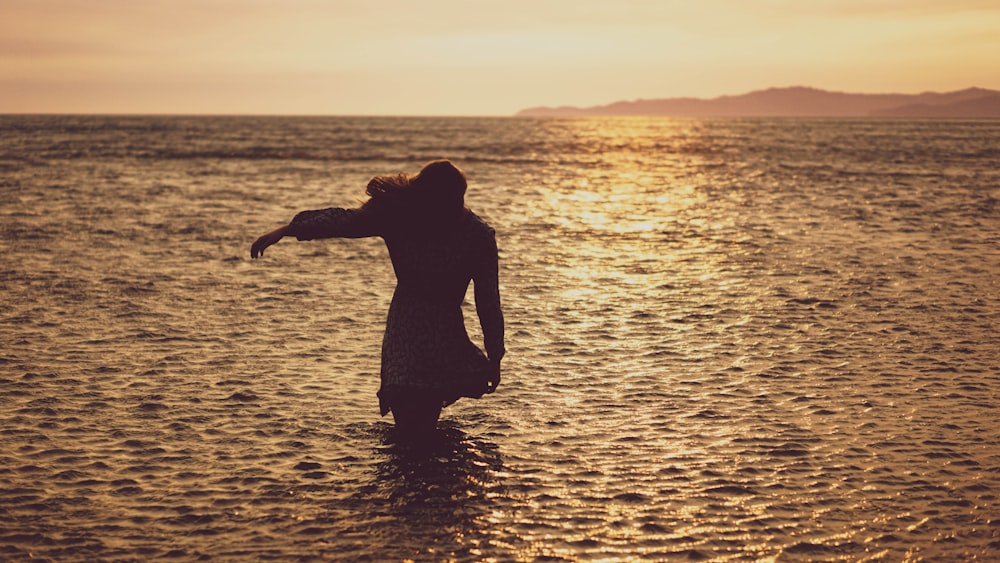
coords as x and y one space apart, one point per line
729 340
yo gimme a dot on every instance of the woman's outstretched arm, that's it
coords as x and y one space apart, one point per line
321 223
258 246
335 222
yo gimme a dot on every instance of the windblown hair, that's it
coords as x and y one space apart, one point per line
435 194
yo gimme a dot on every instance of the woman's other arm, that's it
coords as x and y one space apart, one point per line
487 292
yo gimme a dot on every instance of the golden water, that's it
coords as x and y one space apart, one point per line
728 341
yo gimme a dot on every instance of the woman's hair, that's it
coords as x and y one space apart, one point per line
437 192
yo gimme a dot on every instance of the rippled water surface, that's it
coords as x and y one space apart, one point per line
728 341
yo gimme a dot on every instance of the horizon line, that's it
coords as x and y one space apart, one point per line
485 115
506 116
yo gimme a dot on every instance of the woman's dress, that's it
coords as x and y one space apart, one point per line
426 351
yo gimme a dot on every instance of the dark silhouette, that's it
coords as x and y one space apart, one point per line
437 246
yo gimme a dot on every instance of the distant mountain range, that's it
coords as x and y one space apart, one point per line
800 102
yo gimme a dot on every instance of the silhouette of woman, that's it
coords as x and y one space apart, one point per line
437 246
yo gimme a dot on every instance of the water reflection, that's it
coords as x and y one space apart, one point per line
746 340
432 499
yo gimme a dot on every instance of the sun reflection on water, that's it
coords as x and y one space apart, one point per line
728 341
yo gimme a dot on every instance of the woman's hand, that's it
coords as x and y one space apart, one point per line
493 376
257 248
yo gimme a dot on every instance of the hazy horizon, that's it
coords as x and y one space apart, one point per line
443 58
515 114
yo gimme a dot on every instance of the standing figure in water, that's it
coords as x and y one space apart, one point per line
437 246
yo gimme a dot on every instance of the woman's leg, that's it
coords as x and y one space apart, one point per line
416 416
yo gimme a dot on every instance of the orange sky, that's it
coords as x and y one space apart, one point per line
474 57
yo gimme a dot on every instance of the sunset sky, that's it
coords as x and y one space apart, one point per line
472 57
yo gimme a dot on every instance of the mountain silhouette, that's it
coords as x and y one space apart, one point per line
798 101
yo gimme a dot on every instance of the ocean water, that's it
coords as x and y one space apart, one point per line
729 340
